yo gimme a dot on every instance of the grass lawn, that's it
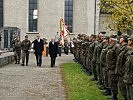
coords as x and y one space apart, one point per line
78 85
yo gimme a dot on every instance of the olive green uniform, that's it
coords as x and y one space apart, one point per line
25 51
17 50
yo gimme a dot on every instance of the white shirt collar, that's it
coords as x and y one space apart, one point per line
38 40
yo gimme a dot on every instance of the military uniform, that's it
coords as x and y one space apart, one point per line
128 75
111 58
120 69
25 50
17 50
98 67
66 48
90 50
59 48
104 71
93 62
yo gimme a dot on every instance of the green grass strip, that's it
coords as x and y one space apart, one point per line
78 84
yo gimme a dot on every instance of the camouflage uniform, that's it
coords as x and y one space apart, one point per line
84 53
88 63
98 68
17 50
66 48
90 50
59 48
75 48
104 71
93 62
128 75
120 69
111 58
79 50
25 51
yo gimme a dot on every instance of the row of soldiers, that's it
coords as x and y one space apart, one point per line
110 60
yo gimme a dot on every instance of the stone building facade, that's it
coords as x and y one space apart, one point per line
86 17
49 13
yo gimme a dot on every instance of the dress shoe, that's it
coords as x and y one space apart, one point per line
27 64
107 93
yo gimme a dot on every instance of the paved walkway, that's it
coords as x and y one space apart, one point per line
31 82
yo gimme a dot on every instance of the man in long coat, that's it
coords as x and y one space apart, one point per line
53 50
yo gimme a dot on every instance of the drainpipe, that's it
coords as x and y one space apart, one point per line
95 19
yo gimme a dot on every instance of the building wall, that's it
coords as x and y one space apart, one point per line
80 21
97 17
16 15
104 22
91 16
49 13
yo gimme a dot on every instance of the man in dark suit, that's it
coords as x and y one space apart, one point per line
38 49
53 50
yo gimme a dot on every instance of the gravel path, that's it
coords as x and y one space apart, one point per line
31 82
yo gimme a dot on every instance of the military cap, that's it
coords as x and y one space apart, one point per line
114 39
113 36
102 33
26 36
94 36
106 37
130 38
79 35
125 37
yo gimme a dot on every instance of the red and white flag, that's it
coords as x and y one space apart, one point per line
63 31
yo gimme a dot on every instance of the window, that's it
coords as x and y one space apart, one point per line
69 14
33 16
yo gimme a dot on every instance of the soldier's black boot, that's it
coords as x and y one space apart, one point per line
114 96
89 73
107 92
99 82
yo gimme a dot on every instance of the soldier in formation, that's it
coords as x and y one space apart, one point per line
109 60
